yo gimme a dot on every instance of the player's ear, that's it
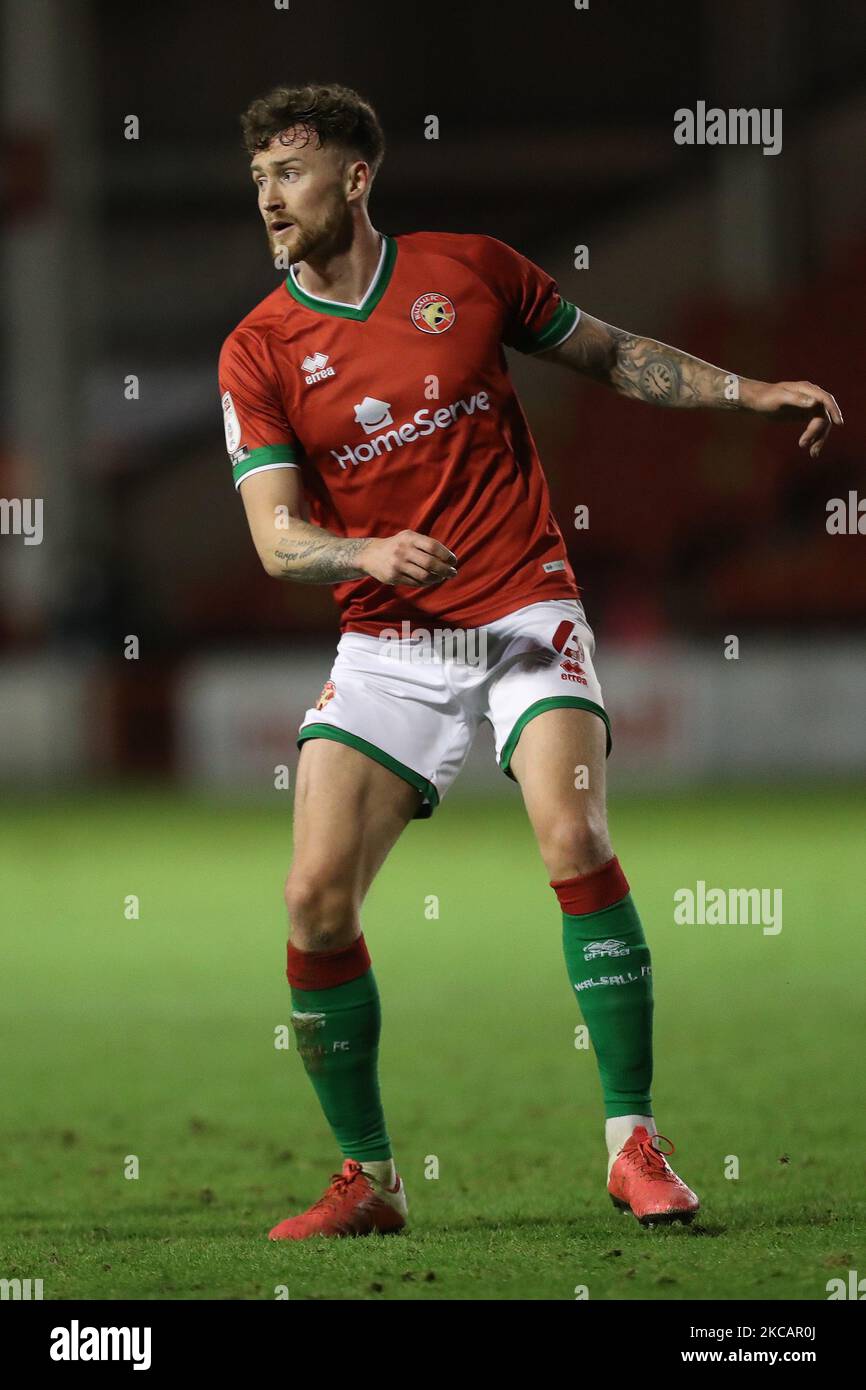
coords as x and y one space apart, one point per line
357 179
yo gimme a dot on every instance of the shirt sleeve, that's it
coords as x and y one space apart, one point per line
537 317
258 435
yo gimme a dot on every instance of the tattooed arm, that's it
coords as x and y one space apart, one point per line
650 371
310 555
291 548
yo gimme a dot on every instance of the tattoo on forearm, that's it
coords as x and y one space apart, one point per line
651 371
326 559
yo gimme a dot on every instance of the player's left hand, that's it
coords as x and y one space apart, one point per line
799 400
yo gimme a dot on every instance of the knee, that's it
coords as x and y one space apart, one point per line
575 845
322 913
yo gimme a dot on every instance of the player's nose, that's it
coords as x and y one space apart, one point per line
271 196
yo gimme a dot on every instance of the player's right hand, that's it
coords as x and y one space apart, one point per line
408 558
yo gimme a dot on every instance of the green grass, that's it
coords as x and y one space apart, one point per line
154 1038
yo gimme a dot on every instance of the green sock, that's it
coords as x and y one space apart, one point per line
608 964
337 1031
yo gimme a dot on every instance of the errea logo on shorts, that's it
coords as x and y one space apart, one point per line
571 656
375 415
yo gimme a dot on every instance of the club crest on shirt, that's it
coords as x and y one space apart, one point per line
329 690
433 313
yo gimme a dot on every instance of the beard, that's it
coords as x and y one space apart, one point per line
327 236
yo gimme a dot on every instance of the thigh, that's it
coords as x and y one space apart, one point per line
552 735
349 812
559 763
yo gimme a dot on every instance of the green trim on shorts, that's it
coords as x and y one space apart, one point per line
378 755
540 707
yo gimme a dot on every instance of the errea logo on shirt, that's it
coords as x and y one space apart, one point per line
315 364
374 415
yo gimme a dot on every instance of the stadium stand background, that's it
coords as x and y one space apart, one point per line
138 256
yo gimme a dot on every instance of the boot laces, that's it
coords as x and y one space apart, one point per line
645 1155
337 1188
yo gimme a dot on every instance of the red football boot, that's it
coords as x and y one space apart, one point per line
354 1205
642 1182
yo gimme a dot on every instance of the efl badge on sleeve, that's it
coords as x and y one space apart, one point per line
232 423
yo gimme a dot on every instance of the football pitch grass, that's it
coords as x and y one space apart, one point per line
154 1038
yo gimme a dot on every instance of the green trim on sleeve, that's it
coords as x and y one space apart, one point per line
421 784
540 706
268 456
554 332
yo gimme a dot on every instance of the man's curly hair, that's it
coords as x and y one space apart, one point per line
335 114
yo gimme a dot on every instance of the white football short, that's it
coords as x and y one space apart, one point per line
414 703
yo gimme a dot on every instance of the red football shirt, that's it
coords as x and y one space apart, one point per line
400 413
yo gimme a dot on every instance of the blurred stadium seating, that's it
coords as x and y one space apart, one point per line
700 525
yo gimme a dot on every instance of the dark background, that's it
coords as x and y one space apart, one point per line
556 129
